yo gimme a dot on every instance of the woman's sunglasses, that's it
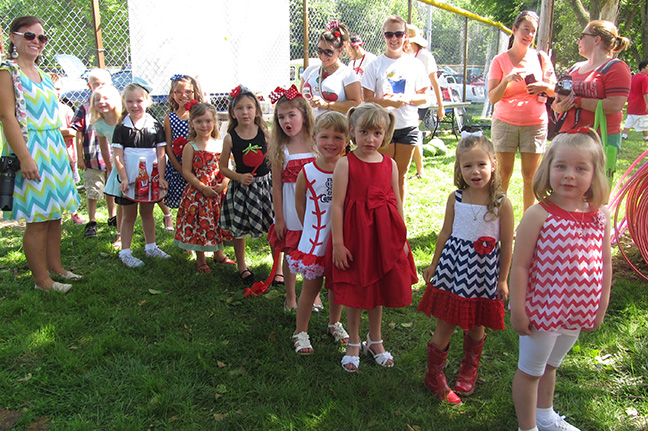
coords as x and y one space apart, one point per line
390 34
326 52
28 35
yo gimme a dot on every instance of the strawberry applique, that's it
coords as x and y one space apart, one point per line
330 96
252 155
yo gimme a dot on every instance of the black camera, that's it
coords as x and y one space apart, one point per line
564 85
9 165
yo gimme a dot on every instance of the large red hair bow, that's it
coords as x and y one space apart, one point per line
290 93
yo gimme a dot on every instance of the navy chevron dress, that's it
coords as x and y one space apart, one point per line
464 286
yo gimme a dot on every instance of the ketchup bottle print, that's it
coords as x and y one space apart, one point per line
142 181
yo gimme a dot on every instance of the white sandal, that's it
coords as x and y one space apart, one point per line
165 217
338 334
353 360
381 359
301 342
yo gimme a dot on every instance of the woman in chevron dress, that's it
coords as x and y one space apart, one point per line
470 267
44 187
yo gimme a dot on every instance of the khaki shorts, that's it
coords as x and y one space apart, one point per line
94 181
507 138
637 122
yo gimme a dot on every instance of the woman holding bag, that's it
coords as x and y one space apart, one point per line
600 78
44 188
520 80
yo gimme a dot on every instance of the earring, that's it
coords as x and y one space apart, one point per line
14 53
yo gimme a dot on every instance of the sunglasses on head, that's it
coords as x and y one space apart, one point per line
390 34
28 35
326 52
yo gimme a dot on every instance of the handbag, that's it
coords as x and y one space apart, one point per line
611 152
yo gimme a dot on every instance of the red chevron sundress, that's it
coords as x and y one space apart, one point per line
566 274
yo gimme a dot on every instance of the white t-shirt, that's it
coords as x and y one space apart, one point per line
430 66
332 89
361 64
404 75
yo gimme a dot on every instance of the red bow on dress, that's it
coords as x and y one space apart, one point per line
290 93
376 197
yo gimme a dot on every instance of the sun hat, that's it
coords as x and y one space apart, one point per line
414 35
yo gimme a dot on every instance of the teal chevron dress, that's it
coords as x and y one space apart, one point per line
54 194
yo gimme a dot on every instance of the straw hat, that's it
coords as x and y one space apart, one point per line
414 35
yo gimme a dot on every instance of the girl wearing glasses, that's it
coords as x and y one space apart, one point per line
600 77
398 82
520 80
331 85
184 89
44 187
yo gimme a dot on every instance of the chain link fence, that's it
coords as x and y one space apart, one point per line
460 45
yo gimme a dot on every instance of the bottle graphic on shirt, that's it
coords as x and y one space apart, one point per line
155 183
142 181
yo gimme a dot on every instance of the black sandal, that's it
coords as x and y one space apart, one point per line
249 278
281 282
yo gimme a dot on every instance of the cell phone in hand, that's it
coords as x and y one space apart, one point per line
529 79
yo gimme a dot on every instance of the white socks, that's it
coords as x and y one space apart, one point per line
150 247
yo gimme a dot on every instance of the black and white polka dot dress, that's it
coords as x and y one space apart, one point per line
175 179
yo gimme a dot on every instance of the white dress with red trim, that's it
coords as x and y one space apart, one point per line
293 164
464 287
310 256
566 274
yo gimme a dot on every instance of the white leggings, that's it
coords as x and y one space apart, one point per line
543 348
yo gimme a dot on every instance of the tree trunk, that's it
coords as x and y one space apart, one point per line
581 13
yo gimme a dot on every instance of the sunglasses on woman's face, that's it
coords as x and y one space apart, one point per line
326 52
390 34
28 35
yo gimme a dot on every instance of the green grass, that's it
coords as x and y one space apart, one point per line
163 347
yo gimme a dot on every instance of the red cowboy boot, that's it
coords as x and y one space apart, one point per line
469 365
435 380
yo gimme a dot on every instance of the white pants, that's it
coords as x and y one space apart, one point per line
543 348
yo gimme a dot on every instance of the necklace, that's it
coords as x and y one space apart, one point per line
475 214
581 224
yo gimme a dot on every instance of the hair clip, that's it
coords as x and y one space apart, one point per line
465 134
584 130
333 24
290 93
177 77
190 104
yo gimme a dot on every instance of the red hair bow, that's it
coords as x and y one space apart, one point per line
333 24
236 92
584 130
189 104
290 93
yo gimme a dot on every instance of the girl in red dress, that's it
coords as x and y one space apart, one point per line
200 207
371 261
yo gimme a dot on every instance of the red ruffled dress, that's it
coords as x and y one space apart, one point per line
197 222
293 165
464 287
381 273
